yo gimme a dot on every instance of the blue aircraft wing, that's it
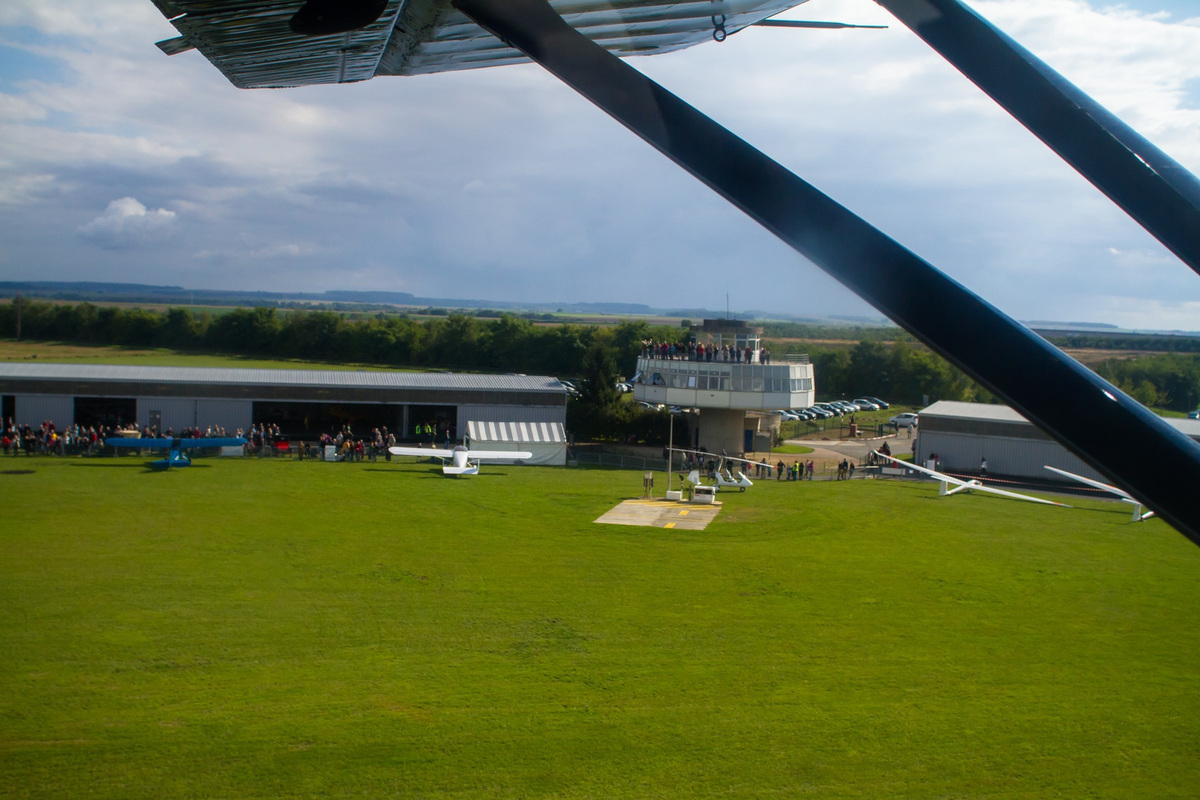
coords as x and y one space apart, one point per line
213 441
173 443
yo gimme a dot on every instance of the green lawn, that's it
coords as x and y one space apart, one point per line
269 629
60 353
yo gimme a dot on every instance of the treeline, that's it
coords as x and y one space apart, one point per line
503 344
1160 381
846 333
909 374
1137 342
898 371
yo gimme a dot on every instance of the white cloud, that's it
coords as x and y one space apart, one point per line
503 183
128 223
19 109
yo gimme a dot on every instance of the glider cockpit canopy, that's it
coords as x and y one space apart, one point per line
260 44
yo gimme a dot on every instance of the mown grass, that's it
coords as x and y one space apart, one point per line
64 353
284 629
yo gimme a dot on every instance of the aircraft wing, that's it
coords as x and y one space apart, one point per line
286 43
972 485
1093 483
213 441
931 473
140 443
716 456
171 442
497 455
436 452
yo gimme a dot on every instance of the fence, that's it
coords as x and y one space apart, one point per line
617 461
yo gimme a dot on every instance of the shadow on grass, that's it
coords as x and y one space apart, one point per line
436 472
145 466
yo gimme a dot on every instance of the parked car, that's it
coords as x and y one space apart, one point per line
1194 414
905 420
819 412
783 412
878 402
804 413
831 408
866 405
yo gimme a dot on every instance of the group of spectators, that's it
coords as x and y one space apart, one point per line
796 471
698 351
76 439
49 440
262 439
351 448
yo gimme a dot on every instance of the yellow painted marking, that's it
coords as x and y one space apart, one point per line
683 513
669 525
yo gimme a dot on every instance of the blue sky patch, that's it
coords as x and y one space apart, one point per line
18 65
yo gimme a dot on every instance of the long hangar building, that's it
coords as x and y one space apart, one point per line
962 434
497 409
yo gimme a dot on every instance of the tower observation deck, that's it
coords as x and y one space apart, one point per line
724 376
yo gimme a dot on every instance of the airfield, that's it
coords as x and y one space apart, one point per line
276 628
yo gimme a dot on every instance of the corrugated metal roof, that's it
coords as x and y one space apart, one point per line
1188 427
980 411
988 412
252 44
280 377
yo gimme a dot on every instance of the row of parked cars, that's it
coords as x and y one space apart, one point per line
839 408
834 408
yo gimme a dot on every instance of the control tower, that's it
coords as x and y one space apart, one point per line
722 373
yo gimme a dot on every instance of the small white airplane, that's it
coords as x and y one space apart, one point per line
1125 496
462 460
971 485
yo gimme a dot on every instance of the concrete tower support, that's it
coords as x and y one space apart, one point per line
721 429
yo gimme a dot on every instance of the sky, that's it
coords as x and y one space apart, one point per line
120 164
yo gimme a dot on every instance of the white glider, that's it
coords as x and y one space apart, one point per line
462 461
971 485
1125 496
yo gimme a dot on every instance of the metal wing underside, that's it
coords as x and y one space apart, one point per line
251 43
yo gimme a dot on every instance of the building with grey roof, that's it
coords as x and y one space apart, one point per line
303 403
962 434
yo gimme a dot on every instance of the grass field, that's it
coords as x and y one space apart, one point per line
248 629
60 353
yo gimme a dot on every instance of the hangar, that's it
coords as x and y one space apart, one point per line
962 434
303 403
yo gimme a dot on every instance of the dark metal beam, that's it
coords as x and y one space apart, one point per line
1106 428
1145 182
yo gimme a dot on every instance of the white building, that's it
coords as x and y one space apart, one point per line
733 399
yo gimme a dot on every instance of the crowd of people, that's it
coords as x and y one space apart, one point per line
698 351
262 439
266 439
77 439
